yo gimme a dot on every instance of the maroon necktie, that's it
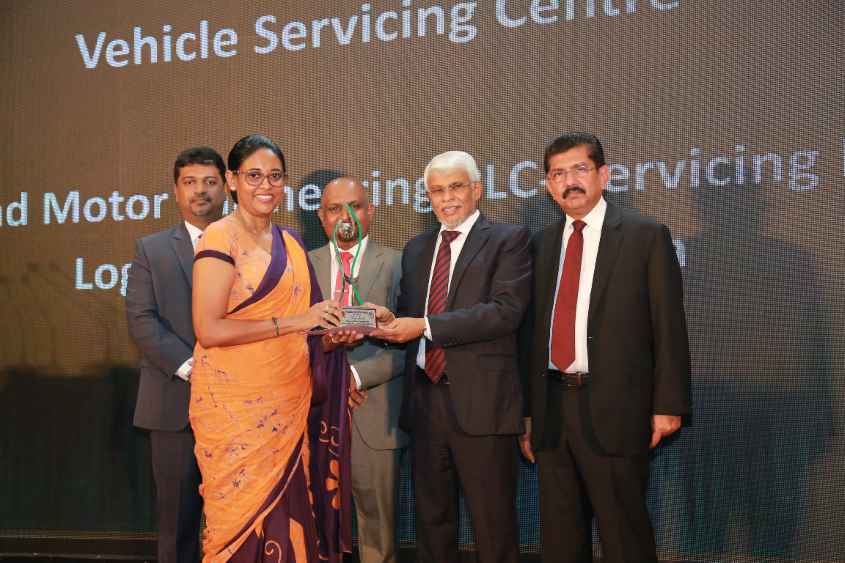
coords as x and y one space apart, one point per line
563 324
435 357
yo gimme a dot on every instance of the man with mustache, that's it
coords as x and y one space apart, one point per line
158 312
606 367
377 372
465 286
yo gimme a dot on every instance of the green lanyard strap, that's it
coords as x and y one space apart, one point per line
356 295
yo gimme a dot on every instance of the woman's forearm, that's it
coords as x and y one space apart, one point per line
231 332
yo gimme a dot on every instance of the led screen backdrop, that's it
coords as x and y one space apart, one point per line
722 119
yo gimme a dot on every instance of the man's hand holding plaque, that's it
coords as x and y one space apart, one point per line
401 330
384 316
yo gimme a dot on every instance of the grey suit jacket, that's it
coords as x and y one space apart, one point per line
158 312
381 369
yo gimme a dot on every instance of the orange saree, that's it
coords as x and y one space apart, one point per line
250 407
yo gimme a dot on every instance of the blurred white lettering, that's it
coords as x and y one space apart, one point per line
151 49
96 209
106 276
16 213
546 12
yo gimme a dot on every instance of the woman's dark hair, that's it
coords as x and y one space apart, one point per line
571 140
246 147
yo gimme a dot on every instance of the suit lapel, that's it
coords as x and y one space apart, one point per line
476 239
321 260
552 243
180 240
609 245
371 265
423 262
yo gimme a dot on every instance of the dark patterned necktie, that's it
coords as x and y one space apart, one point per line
435 357
563 325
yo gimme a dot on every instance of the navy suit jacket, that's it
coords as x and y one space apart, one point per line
488 294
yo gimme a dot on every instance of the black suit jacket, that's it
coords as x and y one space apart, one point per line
488 295
158 312
636 332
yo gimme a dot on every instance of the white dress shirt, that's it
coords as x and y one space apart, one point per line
187 366
456 247
592 235
356 268
195 233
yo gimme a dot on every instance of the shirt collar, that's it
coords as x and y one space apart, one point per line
466 226
194 232
594 218
352 250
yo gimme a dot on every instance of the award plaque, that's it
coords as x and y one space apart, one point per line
358 319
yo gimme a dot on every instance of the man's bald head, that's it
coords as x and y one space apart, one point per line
337 195
346 185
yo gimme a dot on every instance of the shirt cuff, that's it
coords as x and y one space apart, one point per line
184 371
427 332
355 375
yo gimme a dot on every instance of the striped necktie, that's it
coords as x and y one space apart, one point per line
435 357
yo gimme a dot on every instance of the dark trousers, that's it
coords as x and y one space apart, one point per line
484 467
178 501
577 482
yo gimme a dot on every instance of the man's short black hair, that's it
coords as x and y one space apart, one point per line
198 155
576 139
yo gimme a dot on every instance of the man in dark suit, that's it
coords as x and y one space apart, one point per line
465 287
377 372
158 311
607 368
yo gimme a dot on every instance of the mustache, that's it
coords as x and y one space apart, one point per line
201 199
573 190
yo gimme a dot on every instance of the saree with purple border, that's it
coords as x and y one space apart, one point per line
270 418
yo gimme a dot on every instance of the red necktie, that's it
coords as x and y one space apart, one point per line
346 260
435 357
563 324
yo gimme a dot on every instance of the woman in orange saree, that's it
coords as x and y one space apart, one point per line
268 404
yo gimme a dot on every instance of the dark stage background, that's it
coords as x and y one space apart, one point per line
722 119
